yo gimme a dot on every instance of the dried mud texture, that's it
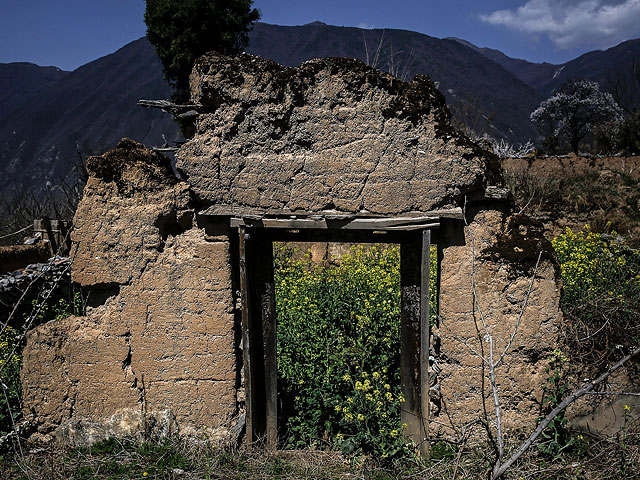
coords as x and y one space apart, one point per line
519 243
15 257
571 165
500 297
332 134
159 337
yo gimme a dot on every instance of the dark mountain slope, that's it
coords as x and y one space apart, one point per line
599 66
93 107
45 113
533 74
21 81
464 75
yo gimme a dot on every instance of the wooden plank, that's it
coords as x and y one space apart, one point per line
410 268
246 343
379 224
425 332
241 211
410 228
264 249
294 223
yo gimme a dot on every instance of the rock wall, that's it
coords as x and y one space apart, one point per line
158 340
21 288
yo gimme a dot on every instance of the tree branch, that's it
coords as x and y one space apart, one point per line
564 404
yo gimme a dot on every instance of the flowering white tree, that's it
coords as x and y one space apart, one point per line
574 109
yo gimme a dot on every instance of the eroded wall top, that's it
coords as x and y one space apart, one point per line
333 134
131 199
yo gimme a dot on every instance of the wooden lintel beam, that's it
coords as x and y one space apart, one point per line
378 224
329 215
419 226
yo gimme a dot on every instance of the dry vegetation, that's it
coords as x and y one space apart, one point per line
592 458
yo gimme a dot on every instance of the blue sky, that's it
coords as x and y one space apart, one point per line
70 33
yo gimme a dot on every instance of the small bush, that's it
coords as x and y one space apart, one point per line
556 437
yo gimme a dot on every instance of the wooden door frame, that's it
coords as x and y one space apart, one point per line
257 294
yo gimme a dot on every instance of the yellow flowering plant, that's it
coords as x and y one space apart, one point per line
339 351
601 293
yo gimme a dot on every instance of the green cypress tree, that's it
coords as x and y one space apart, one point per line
182 30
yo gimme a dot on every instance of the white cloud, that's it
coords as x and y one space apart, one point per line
366 26
573 23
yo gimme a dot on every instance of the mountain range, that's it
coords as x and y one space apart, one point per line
49 117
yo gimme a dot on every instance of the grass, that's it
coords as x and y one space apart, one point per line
589 458
608 201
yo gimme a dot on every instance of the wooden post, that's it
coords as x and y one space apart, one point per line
265 286
410 267
246 334
425 332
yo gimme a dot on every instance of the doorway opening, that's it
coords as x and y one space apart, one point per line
338 310
415 235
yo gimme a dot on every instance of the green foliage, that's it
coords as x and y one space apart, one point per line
182 30
601 296
339 350
126 458
556 437
595 266
443 451
59 309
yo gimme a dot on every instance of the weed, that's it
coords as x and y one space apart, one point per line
556 437
601 295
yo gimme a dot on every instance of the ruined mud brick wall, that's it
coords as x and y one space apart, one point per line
158 341
332 135
335 134
500 254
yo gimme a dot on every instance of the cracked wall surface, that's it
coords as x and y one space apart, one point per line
164 341
159 338
503 283
331 134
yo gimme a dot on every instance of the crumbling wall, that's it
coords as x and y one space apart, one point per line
15 257
157 343
495 254
331 134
